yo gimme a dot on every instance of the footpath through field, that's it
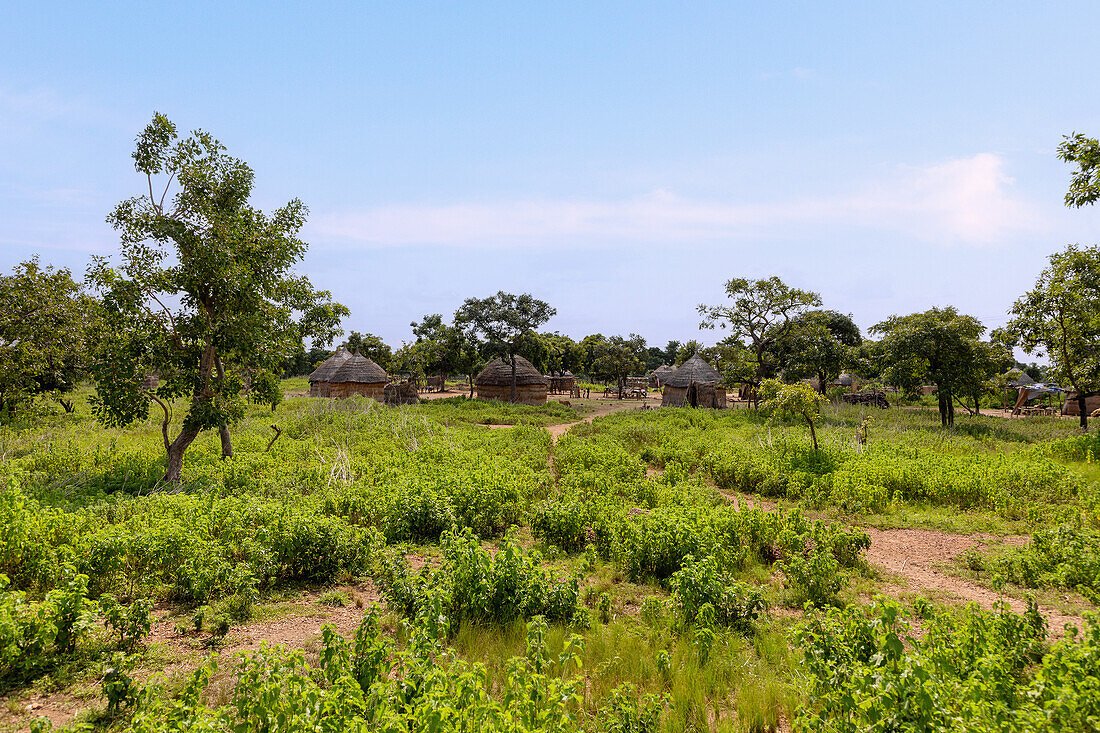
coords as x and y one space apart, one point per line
919 554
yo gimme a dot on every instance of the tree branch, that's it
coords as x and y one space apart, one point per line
167 418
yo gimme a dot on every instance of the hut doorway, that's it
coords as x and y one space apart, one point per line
693 395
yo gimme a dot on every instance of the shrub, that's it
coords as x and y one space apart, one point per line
699 583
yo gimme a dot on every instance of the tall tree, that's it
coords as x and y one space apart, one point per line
939 345
445 348
819 344
616 358
370 346
1060 318
759 316
48 326
564 354
205 296
506 323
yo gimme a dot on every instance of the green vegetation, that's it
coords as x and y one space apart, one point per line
512 567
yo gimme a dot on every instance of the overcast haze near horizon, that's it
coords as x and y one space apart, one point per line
621 161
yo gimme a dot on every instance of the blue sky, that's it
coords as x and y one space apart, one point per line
620 160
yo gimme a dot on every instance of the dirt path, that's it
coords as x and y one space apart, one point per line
919 556
602 408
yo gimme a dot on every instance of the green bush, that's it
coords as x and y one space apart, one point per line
473 585
696 584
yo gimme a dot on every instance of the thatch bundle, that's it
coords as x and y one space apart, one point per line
400 393
695 384
321 377
495 382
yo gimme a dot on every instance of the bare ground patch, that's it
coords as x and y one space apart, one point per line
920 556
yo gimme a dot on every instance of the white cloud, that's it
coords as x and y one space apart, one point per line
964 201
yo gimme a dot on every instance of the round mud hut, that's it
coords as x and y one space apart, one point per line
695 384
495 382
320 380
359 375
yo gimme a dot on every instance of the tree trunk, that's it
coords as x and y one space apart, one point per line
174 471
1082 407
950 410
223 430
227 442
471 375
813 433
941 396
512 397
821 383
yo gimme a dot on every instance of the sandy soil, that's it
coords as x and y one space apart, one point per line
921 556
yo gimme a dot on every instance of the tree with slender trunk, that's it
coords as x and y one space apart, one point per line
205 297
759 316
939 345
1060 318
505 323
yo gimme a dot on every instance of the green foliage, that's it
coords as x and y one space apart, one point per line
371 684
700 583
968 671
206 297
759 317
1060 317
118 686
132 623
48 329
792 400
941 346
476 586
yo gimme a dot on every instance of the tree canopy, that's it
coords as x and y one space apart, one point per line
821 344
792 400
504 323
616 358
941 346
48 327
205 295
1060 318
370 346
759 316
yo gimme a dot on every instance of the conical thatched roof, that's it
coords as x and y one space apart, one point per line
499 374
664 371
359 370
329 366
844 380
693 370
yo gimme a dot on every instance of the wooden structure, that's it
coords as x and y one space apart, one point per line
563 383
495 382
358 376
400 393
321 379
1070 406
695 384
872 397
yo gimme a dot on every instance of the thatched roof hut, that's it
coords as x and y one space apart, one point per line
661 374
844 380
1071 407
495 382
695 384
358 375
321 377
